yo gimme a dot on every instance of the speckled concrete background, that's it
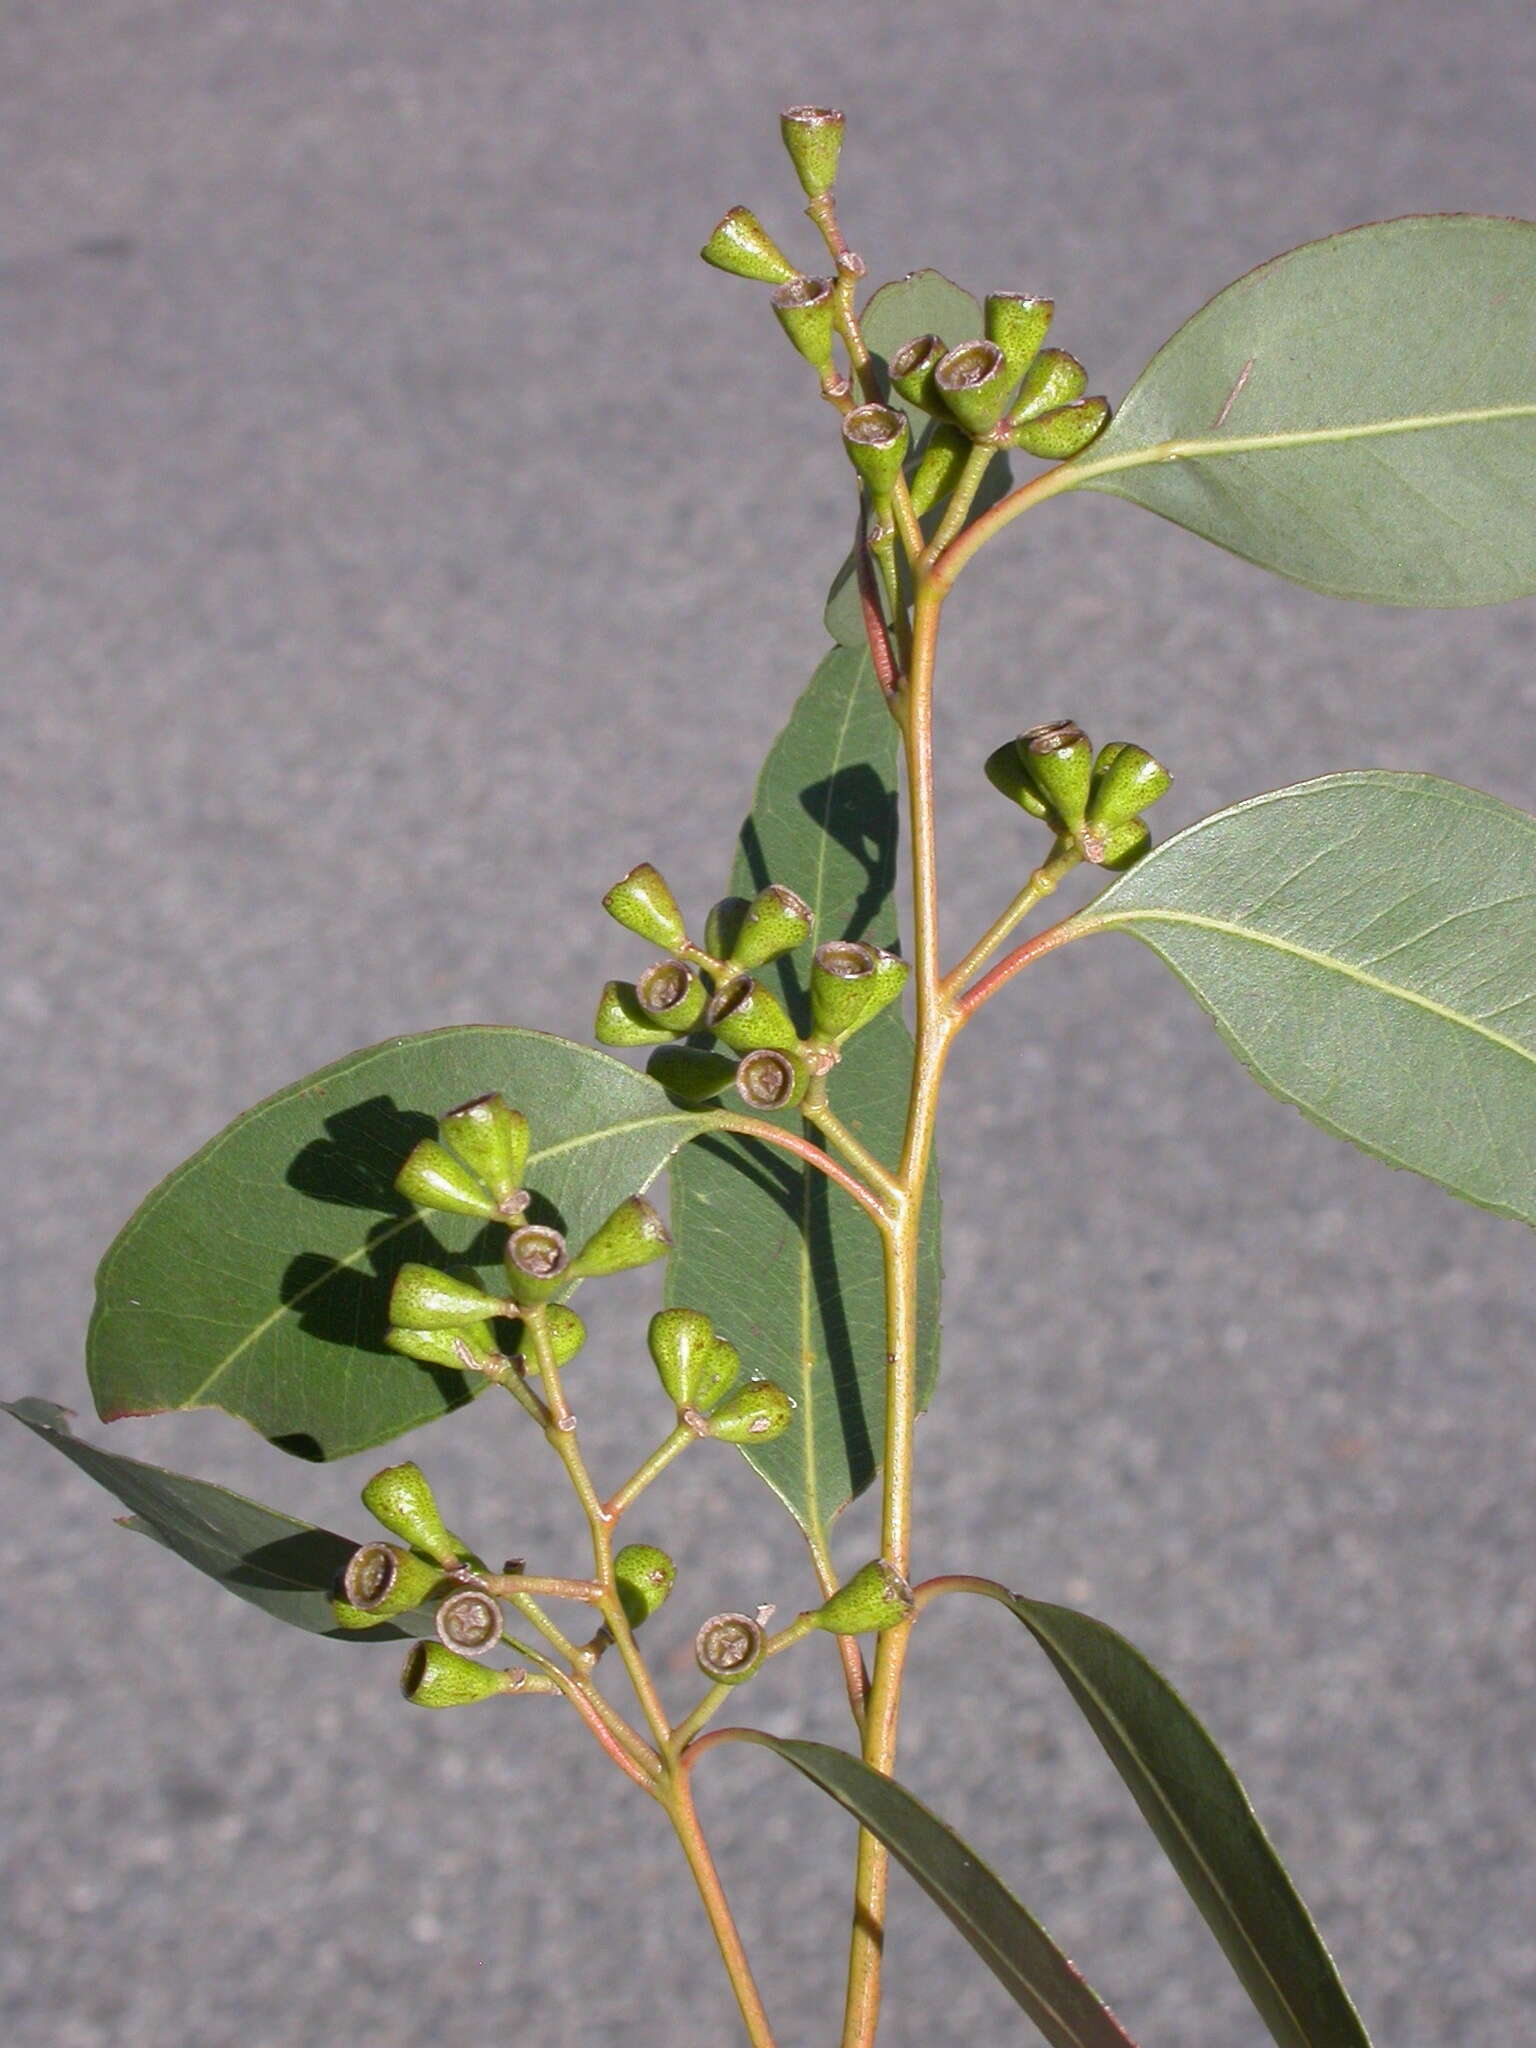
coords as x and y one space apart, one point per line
393 505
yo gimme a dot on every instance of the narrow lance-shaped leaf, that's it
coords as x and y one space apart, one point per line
1359 415
1200 1814
283 1566
1366 944
1009 1940
256 1278
788 1268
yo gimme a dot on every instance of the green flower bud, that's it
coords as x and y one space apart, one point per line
1064 432
767 1079
680 1341
632 1236
814 138
432 1178
435 1677
565 1330
691 1075
643 904
729 1648
471 1348
381 1580
1121 847
400 1498
644 1576
538 1264
468 1621
876 438
493 1140
746 1016
672 995
1017 325
975 382
422 1298
1058 759
621 1019
774 922
1126 782
938 469
1055 378
875 1598
912 369
744 247
722 925
717 1375
1005 771
807 311
851 983
754 1414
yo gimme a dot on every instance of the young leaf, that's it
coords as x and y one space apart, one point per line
256 1278
1012 1944
280 1565
1200 1814
1366 944
788 1268
1359 415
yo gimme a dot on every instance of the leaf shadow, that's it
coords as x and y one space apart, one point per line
364 1148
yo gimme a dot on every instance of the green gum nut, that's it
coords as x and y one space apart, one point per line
768 1080
912 368
1017 325
1005 771
851 983
774 922
754 1414
492 1140
876 438
875 1598
633 1235
730 1647
806 309
432 1178
672 995
1119 848
565 1330
436 1677
717 1375
938 469
1057 435
680 1341
1058 759
643 904
621 1020
643 1576
748 1017
471 1348
400 1498
975 382
538 1264
422 1298
1126 781
814 138
722 925
690 1074
382 1580
468 1621
744 247
1055 378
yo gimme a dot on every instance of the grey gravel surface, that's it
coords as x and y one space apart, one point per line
403 535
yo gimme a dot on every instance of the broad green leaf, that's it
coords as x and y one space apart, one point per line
1366 944
1358 415
1200 1814
283 1566
786 1265
1009 1940
924 303
256 1278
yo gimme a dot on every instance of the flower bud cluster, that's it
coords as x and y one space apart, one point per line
1091 802
698 1371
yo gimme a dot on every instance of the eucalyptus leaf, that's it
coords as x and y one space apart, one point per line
1366 944
1009 1940
1358 415
256 1278
787 1267
283 1566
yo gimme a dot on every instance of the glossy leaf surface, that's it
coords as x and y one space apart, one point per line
788 1268
283 1566
1366 944
1009 1940
256 1278
1358 415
